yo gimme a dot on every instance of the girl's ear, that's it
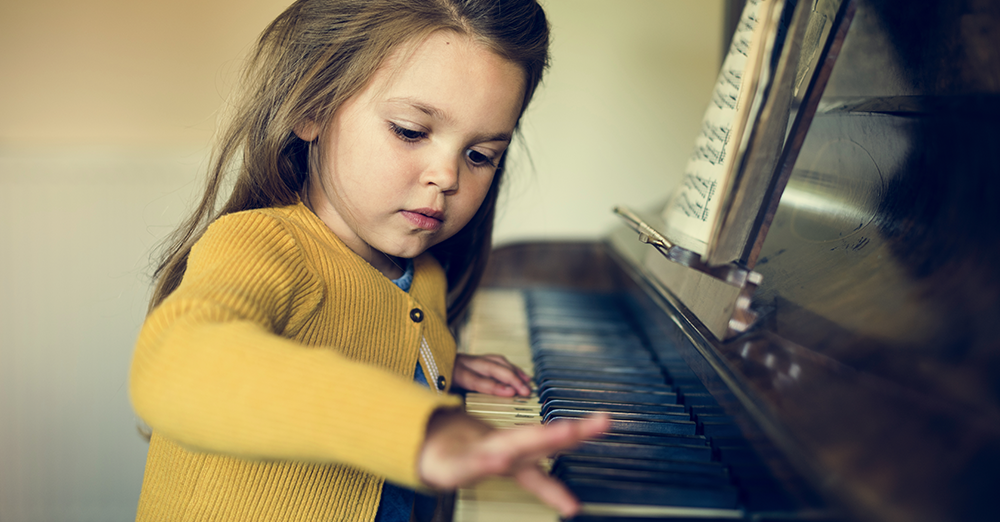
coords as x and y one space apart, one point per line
307 130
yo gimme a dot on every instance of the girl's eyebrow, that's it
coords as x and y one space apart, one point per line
485 138
429 110
437 113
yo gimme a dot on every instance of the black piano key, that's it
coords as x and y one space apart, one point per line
644 451
592 360
703 399
545 384
713 515
611 366
717 426
686 386
656 440
568 299
596 360
568 471
608 395
596 406
592 315
576 413
624 492
708 416
647 427
679 370
701 468
705 409
689 382
573 300
575 326
597 376
565 341
608 335
607 314
600 354
637 375
536 326
612 356
614 348
666 351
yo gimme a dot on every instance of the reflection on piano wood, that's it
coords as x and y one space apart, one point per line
671 451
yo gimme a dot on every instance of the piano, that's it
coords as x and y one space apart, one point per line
864 383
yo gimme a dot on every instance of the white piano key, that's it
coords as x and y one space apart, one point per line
498 324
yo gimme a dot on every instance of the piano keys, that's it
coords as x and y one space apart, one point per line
672 451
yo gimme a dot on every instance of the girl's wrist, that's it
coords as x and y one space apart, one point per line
451 433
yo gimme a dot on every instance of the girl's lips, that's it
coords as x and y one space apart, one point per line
424 218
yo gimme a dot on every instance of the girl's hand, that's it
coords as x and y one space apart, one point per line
460 450
491 374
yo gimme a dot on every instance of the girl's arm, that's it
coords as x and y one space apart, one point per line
211 372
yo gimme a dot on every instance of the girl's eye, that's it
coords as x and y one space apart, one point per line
479 159
408 135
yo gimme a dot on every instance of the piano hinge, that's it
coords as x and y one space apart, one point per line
732 273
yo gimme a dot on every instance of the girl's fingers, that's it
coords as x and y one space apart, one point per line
515 368
472 381
531 444
496 357
501 360
534 444
548 490
460 450
498 369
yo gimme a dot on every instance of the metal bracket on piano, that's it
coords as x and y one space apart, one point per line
732 274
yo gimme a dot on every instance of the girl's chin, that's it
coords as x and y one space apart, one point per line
408 251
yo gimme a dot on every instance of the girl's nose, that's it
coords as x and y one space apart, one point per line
442 173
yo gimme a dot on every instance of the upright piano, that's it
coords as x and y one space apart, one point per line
857 379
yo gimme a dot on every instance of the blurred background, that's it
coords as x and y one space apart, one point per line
107 111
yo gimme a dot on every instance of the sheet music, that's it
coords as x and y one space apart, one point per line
690 214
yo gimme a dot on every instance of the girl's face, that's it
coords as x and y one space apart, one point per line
407 161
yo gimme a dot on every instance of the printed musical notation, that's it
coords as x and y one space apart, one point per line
692 209
702 189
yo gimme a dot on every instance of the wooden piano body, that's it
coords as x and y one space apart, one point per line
873 372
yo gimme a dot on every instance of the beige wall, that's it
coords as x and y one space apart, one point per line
120 73
616 119
106 110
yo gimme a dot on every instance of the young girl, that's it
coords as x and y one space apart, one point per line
277 365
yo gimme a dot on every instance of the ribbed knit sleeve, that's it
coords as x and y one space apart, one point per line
240 359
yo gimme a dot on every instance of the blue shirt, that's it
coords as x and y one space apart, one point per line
397 503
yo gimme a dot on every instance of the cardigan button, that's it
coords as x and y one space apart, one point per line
441 382
416 315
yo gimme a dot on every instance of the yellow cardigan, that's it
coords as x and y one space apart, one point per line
278 377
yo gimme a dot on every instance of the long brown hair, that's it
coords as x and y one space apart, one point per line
306 63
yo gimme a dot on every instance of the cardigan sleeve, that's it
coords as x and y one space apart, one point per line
211 372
